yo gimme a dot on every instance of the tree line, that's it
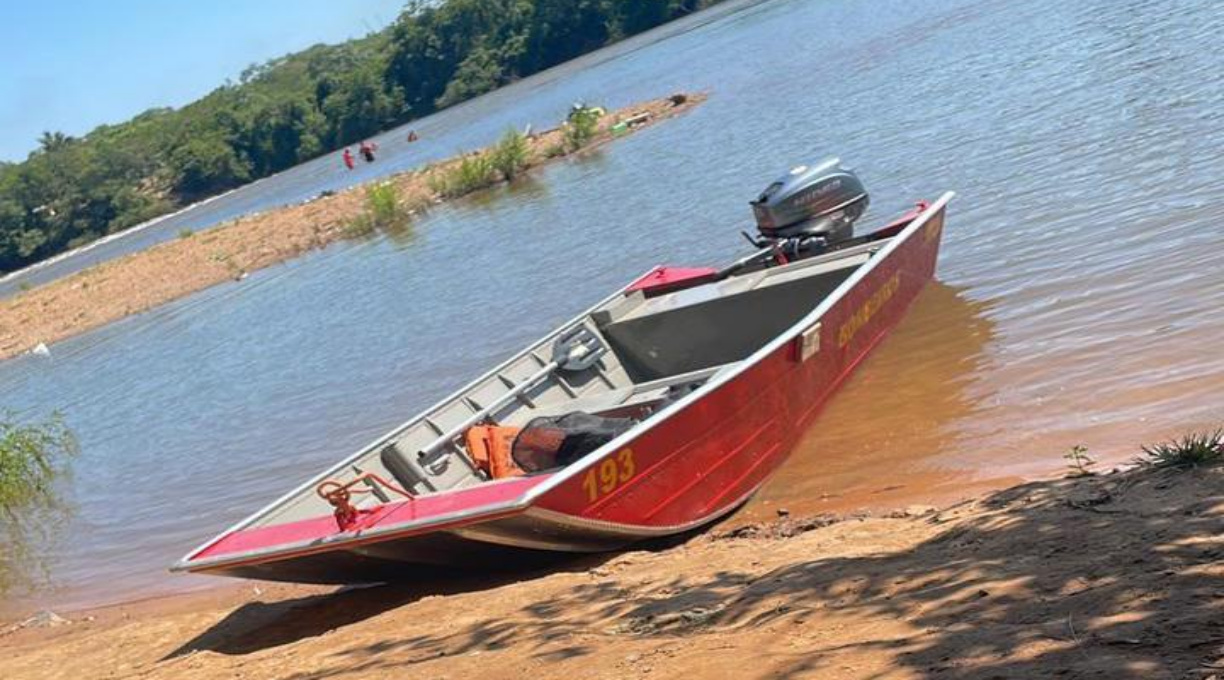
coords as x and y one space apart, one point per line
70 191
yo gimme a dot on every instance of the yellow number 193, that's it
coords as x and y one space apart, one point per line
611 472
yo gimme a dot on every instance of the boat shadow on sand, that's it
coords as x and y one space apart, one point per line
256 626
1118 576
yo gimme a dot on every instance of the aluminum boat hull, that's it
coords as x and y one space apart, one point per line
694 463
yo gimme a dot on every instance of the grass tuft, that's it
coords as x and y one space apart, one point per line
1079 462
383 210
1198 449
438 181
383 204
475 171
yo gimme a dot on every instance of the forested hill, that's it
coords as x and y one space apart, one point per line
437 53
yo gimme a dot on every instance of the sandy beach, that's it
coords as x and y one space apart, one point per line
112 290
1115 576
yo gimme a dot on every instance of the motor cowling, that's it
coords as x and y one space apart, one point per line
818 202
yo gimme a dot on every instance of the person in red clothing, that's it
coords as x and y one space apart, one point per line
367 151
348 158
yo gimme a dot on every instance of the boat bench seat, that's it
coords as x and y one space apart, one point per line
443 471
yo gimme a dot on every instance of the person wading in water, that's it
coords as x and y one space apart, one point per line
348 158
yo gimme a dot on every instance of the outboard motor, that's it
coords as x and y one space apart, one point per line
809 209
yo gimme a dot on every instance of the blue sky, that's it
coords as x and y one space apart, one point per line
71 66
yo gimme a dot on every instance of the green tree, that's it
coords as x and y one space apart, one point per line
53 141
202 166
359 107
480 72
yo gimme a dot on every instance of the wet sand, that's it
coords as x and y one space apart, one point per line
1116 576
169 271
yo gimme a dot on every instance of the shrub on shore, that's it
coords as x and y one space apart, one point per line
509 155
1198 449
580 128
33 458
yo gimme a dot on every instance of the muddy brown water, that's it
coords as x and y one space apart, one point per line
1079 298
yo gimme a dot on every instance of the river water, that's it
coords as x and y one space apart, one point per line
1079 298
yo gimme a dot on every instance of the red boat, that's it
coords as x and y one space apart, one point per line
659 410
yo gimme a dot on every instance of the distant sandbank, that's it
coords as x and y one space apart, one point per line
168 271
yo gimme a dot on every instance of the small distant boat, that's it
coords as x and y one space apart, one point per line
659 410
